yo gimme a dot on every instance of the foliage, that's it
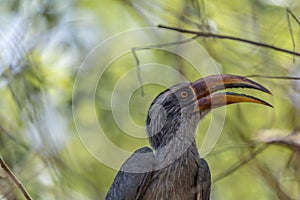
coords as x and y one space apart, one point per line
43 44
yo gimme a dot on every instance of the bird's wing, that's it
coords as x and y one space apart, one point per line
128 185
203 181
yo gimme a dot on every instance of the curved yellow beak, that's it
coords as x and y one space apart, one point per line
207 99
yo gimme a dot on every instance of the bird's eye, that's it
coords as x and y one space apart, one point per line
184 94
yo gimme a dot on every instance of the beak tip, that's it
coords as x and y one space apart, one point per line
267 91
270 105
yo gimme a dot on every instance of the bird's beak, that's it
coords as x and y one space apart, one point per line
207 99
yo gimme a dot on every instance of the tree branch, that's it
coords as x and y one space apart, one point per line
274 77
15 179
227 37
239 164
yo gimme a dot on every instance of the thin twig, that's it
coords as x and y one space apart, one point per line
274 77
165 44
137 61
15 179
291 31
219 150
227 37
239 164
12 138
292 14
273 181
138 70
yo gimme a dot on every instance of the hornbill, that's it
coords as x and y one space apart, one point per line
174 169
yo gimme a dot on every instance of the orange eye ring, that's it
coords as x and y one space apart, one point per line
184 94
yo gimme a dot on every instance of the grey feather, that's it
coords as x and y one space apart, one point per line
175 171
129 185
203 181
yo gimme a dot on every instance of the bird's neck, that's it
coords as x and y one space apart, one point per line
174 151
172 132
180 142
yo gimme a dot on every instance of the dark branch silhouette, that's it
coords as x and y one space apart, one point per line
239 164
137 61
274 77
227 37
15 179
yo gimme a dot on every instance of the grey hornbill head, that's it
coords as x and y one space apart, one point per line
184 104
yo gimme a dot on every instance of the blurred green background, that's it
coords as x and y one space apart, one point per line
43 43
